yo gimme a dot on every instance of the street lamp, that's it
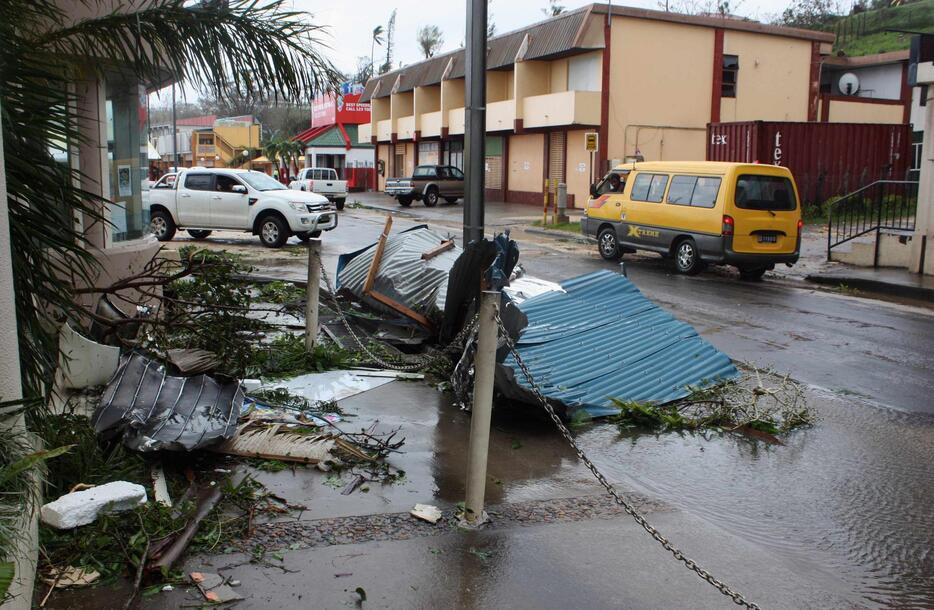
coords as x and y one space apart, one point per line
246 154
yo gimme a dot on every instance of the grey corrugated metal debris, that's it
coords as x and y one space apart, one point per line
402 275
155 411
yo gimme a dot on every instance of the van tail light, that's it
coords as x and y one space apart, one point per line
800 224
728 223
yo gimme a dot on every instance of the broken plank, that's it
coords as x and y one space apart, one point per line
444 247
406 311
377 256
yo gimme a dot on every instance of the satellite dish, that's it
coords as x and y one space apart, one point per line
849 84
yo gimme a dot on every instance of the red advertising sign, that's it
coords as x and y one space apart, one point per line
330 109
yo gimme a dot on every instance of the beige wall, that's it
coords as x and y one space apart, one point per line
401 105
558 77
856 112
383 155
426 100
673 88
239 137
578 181
452 96
526 156
773 81
532 78
498 85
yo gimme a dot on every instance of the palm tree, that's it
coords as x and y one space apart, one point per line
430 40
242 44
553 9
377 40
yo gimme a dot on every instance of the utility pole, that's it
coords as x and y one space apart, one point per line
475 121
174 131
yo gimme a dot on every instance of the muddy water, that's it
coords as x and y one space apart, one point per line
850 498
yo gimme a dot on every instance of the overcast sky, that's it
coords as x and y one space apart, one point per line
351 23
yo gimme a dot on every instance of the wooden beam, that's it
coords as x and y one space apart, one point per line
409 313
444 247
377 257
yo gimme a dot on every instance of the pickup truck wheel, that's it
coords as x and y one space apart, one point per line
404 201
273 232
451 199
198 234
431 197
339 203
162 226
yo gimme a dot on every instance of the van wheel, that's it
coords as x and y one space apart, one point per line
198 234
608 244
687 258
273 232
162 226
751 274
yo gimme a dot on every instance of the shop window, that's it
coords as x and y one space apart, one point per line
729 75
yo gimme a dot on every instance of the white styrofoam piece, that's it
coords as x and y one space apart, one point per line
330 385
526 287
82 507
85 363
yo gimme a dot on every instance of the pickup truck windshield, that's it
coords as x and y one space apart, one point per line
262 182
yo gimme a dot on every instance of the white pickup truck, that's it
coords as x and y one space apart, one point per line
202 200
323 181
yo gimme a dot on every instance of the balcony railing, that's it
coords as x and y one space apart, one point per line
501 116
405 128
364 132
564 108
384 130
431 124
456 121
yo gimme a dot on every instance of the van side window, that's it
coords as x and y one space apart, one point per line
649 187
696 191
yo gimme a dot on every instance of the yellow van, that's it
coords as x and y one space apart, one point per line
698 213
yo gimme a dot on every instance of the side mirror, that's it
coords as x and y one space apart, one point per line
593 190
238 188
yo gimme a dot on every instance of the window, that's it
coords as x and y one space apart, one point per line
426 171
728 79
649 187
764 193
923 96
262 182
455 173
225 183
165 182
198 182
584 72
696 191
206 140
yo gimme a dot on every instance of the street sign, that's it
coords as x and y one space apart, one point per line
591 139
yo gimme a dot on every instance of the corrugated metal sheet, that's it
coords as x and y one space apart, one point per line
602 339
826 159
550 38
402 275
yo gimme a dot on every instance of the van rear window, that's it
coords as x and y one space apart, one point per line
764 193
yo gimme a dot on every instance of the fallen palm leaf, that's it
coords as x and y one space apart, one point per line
277 442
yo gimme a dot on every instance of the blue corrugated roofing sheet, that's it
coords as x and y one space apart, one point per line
603 339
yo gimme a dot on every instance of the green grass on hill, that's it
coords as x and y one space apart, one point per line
865 33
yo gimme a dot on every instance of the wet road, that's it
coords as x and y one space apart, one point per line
846 501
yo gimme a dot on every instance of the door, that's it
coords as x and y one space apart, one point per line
229 210
454 182
557 147
194 200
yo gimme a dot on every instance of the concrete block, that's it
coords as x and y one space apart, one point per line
82 507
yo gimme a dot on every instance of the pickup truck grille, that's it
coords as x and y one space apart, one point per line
319 207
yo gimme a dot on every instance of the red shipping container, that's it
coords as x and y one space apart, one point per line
826 159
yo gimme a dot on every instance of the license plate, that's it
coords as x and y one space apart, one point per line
768 239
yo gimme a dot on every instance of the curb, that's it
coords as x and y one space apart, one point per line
871 285
561 235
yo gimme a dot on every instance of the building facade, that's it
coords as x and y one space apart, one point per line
207 141
648 82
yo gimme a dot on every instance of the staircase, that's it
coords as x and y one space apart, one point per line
873 226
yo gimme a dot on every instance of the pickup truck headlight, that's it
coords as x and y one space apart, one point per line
299 206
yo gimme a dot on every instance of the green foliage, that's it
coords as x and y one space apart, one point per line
7 572
868 32
280 292
286 356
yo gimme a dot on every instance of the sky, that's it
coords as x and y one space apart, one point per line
351 23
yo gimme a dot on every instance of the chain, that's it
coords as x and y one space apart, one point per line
629 508
419 363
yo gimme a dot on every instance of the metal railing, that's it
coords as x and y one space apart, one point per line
882 205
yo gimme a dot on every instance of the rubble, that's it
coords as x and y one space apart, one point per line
154 411
83 507
426 512
84 363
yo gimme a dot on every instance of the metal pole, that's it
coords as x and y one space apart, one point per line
311 293
475 121
174 132
484 366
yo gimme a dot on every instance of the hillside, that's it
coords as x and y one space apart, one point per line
865 33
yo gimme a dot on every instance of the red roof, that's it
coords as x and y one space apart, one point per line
311 133
198 121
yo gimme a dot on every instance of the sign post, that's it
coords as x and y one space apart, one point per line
591 144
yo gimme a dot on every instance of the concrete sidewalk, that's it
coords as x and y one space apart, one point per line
888 281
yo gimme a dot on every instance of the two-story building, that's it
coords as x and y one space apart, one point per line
648 82
207 140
